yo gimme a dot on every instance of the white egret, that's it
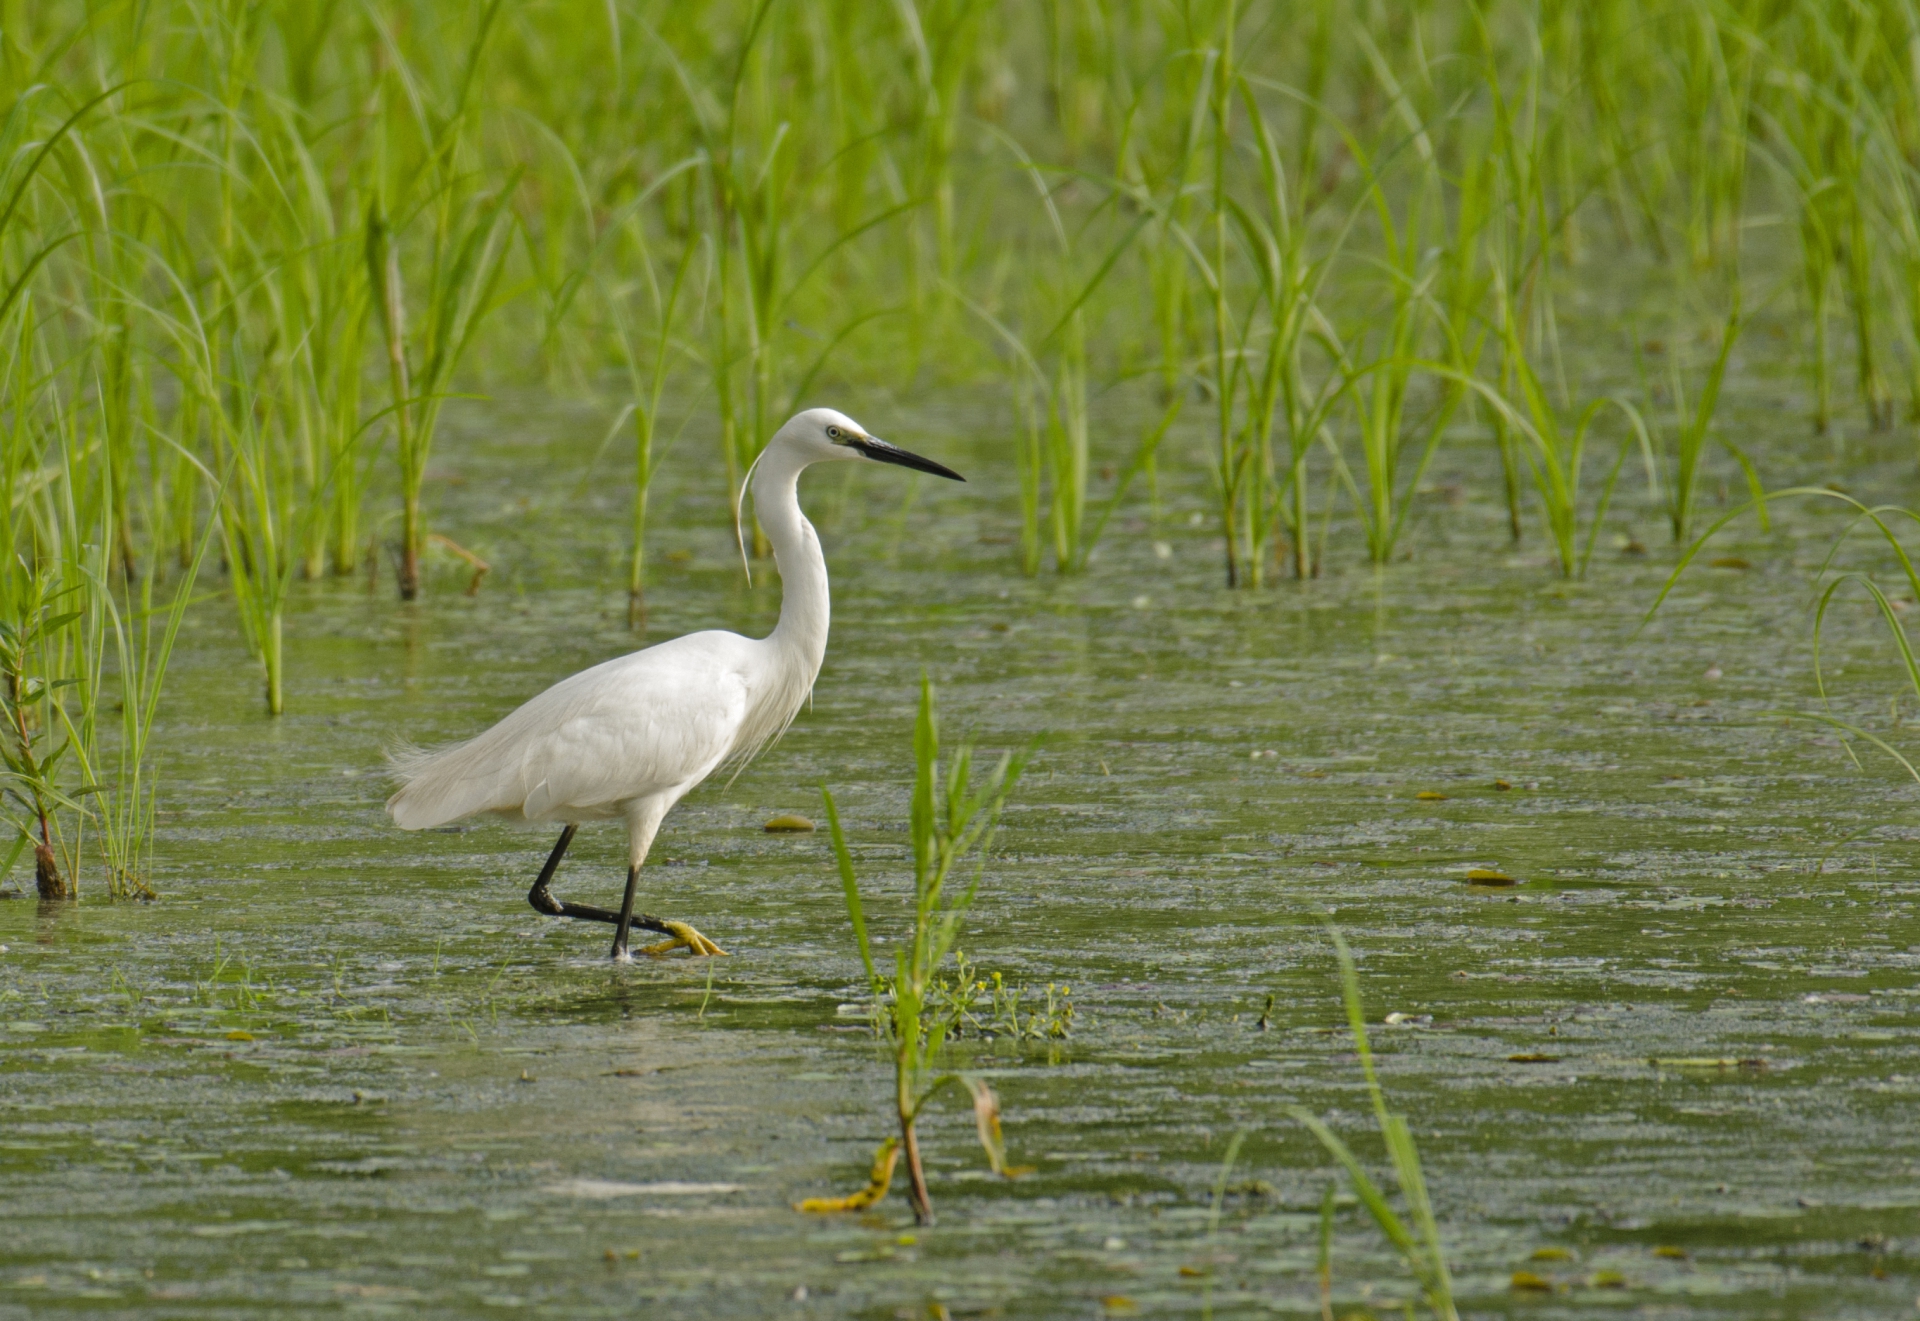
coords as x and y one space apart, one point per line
627 739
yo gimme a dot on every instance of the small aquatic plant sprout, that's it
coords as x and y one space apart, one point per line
952 821
1887 521
628 738
1418 1245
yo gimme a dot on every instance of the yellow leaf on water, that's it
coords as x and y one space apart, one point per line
1533 1057
1488 876
1672 1254
787 821
239 1036
1502 784
1528 1282
1606 1280
877 1184
1552 1254
1119 1304
1429 796
1192 1271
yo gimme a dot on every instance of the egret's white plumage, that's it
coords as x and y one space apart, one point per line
631 736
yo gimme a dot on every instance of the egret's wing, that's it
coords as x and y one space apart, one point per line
630 726
625 749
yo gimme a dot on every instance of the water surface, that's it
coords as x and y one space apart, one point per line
343 1070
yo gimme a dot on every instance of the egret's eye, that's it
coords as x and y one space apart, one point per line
833 433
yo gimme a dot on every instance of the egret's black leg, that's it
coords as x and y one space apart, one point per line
626 915
541 897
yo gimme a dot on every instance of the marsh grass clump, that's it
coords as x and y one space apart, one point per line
952 825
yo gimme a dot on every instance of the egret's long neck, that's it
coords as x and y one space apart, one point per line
805 609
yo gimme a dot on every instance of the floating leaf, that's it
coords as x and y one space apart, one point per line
1533 1057
877 1184
1709 1063
788 822
1551 1254
1672 1254
1429 796
239 1036
1729 562
1606 1280
1528 1282
1502 784
1488 876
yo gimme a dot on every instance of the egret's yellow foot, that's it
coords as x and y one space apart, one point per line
684 937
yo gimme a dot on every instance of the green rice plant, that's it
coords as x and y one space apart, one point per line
1798 147
1718 58
462 268
322 306
140 634
1253 356
1619 77
648 382
1692 427
1555 454
1846 46
953 820
1055 369
1419 1244
1885 522
45 664
1517 236
756 202
1894 186
1289 278
60 667
35 742
943 38
1237 471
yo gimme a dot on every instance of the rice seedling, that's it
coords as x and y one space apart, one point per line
1718 59
1054 368
648 382
1290 275
1800 147
463 266
139 634
1419 1244
953 821
1518 234
36 740
1885 522
1236 472
1693 427
1555 454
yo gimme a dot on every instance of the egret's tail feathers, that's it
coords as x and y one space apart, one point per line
438 785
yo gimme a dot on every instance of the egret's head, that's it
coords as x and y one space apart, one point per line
824 435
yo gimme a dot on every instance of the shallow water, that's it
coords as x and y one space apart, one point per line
339 1069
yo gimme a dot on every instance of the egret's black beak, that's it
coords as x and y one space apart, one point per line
875 448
